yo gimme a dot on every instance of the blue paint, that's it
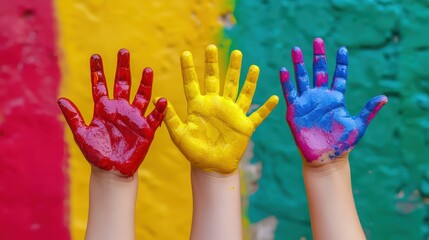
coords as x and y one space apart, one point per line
301 74
340 75
318 117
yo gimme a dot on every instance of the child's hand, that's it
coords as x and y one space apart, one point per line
320 123
119 135
217 130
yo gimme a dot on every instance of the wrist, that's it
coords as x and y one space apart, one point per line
112 176
335 166
213 186
112 200
326 163
212 174
216 205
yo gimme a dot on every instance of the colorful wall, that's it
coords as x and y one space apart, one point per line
44 53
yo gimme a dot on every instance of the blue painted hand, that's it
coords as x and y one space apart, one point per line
318 118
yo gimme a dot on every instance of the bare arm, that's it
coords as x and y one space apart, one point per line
217 205
114 143
330 200
112 201
213 139
325 133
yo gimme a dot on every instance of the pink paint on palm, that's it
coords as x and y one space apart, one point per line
312 143
316 142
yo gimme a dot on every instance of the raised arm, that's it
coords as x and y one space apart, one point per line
213 138
115 144
325 133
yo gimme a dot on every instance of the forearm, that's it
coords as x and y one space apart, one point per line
217 206
330 198
112 201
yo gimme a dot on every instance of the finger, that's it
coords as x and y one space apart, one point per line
155 118
289 91
371 108
211 74
98 80
189 75
174 125
145 90
246 94
72 115
123 76
230 89
340 75
259 115
320 68
301 75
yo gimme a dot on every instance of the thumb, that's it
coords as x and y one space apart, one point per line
371 108
72 115
157 115
175 126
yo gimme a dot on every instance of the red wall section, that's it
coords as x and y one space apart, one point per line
33 190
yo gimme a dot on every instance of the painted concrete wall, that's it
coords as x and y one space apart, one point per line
44 53
388 48
33 182
156 33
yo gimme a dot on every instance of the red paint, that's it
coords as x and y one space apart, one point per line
33 179
119 135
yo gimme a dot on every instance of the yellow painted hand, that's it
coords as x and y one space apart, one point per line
217 130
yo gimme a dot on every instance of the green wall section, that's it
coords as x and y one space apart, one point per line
388 44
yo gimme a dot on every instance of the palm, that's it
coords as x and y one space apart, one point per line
217 130
119 135
219 126
322 127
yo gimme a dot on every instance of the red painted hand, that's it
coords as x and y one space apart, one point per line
119 135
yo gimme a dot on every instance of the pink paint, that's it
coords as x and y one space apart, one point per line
33 167
377 108
320 69
321 79
297 55
312 143
318 46
318 118
284 75
316 142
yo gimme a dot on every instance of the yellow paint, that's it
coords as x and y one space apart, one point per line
155 32
217 130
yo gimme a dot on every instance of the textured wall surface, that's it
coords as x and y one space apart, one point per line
156 33
388 48
33 188
45 47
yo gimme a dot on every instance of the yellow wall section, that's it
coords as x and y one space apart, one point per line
155 33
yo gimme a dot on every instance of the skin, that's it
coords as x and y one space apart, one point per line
325 133
115 144
213 138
